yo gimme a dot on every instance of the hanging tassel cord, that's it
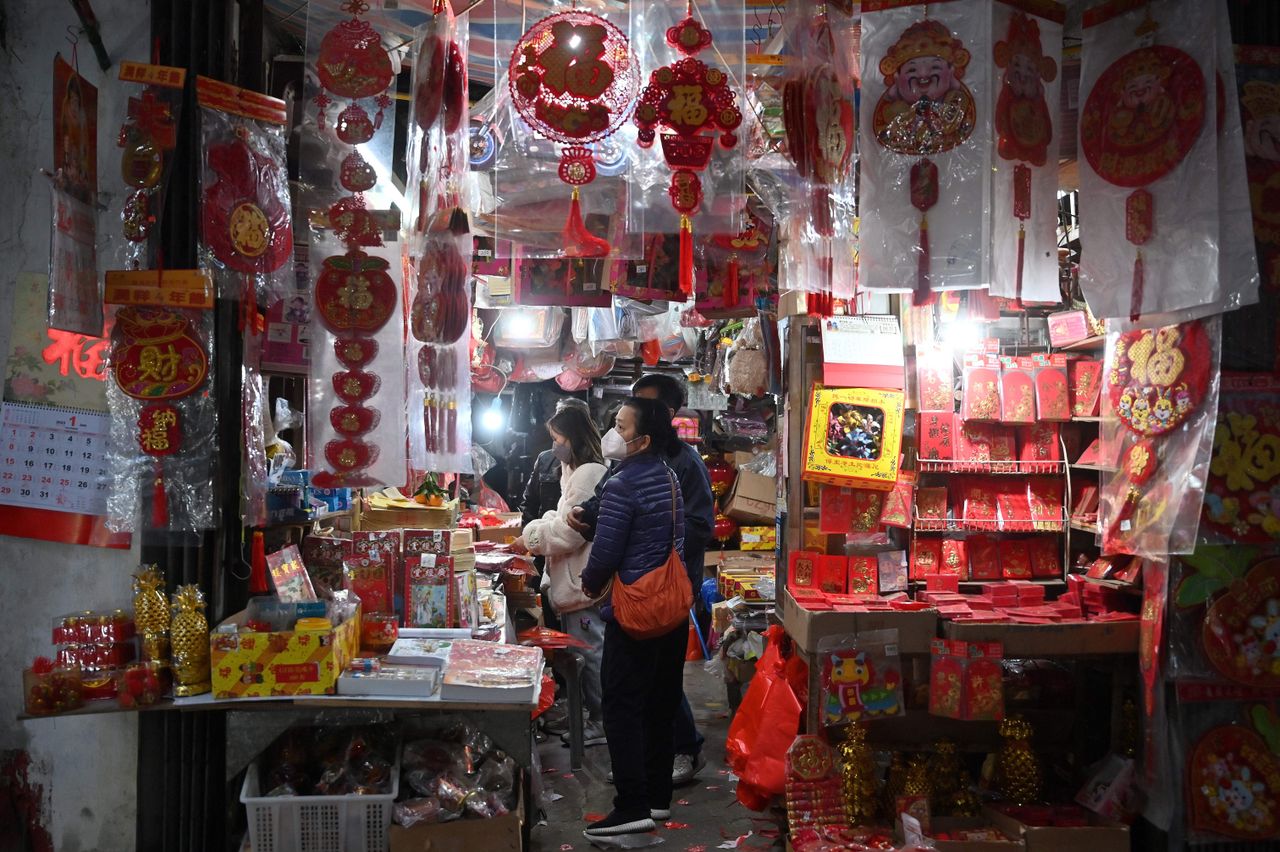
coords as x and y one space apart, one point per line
923 295
159 500
1022 245
731 296
1139 285
686 256
578 241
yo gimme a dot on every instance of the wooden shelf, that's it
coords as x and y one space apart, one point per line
1088 344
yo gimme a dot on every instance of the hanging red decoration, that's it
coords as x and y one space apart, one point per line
1159 377
1139 122
440 313
573 80
693 101
1233 782
245 223
355 293
1024 125
926 109
353 63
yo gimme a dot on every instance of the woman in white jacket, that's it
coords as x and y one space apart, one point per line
576 443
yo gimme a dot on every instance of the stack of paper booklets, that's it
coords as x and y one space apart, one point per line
411 670
492 672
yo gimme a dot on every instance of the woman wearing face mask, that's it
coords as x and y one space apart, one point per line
575 441
641 520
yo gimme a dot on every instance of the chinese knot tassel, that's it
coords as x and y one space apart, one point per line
731 297
923 294
159 501
1139 283
258 566
686 255
1022 244
578 241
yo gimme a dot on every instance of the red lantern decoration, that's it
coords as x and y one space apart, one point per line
355 293
246 223
691 100
353 63
725 529
722 475
573 80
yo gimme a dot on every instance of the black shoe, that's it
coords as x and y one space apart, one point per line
618 824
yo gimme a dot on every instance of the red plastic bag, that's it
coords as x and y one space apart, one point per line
764 727
546 696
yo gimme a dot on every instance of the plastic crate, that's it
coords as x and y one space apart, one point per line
318 823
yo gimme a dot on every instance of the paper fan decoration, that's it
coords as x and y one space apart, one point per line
1139 122
926 109
693 105
246 224
573 79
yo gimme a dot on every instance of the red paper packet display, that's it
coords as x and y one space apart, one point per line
1085 377
984 557
1046 557
1015 560
1004 443
896 510
370 580
1017 391
1014 508
832 575
1045 496
1052 397
946 677
931 504
980 397
979 504
802 570
926 557
835 510
419 542
289 576
1039 443
428 590
966 681
1085 508
935 380
935 430
323 557
864 575
861 677
955 558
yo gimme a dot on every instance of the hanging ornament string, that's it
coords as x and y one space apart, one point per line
573 79
1139 122
695 103
926 109
1023 122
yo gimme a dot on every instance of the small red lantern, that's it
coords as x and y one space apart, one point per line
722 476
725 529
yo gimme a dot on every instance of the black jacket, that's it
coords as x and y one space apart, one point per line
542 490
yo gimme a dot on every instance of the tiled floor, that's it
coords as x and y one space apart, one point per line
705 814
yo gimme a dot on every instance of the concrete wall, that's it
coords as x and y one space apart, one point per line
72 780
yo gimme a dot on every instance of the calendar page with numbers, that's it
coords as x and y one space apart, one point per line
51 458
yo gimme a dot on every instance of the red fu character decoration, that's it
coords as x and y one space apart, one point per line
573 79
353 64
1023 122
926 109
687 98
1138 123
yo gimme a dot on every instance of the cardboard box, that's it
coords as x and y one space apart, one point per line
879 473
283 663
505 534
753 500
916 630
1100 836
500 834
759 538
942 825
1068 638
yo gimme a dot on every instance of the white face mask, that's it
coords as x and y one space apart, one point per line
613 445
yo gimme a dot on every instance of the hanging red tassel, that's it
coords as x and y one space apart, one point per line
578 241
923 295
686 255
731 283
1022 244
258 567
159 501
1139 284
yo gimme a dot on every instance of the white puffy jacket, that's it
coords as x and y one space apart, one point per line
566 551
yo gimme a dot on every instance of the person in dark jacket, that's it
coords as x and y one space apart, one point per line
641 519
699 513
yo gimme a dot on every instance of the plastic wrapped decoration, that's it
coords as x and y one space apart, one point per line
740 268
1242 500
1149 173
163 421
925 147
146 141
861 677
1160 401
246 222
574 80
75 303
1257 72
1028 55
689 108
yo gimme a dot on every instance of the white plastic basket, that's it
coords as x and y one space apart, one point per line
318 823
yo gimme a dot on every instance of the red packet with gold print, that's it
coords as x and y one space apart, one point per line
955 558
1085 377
926 557
1052 397
973 441
984 557
981 394
936 429
984 682
896 511
1045 495
980 504
864 575
833 574
1017 391
802 570
1046 557
946 678
931 504
935 380
1015 560
1038 443
835 510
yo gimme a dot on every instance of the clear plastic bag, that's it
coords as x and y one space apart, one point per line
925 188
75 304
861 677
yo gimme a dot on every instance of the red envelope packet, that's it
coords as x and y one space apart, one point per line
833 574
835 510
980 399
1004 444
1046 557
1039 443
1053 400
1015 560
896 511
973 441
946 678
984 557
931 504
984 682
936 428
979 501
1045 496
1092 454
955 558
1085 377
864 575
1086 503
935 380
1017 391
802 570
370 580
1012 503
926 557
867 506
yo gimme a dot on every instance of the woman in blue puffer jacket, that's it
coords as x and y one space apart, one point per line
641 520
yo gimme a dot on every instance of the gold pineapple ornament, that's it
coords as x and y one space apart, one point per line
945 776
918 782
190 642
150 609
1019 777
965 802
895 780
858 777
